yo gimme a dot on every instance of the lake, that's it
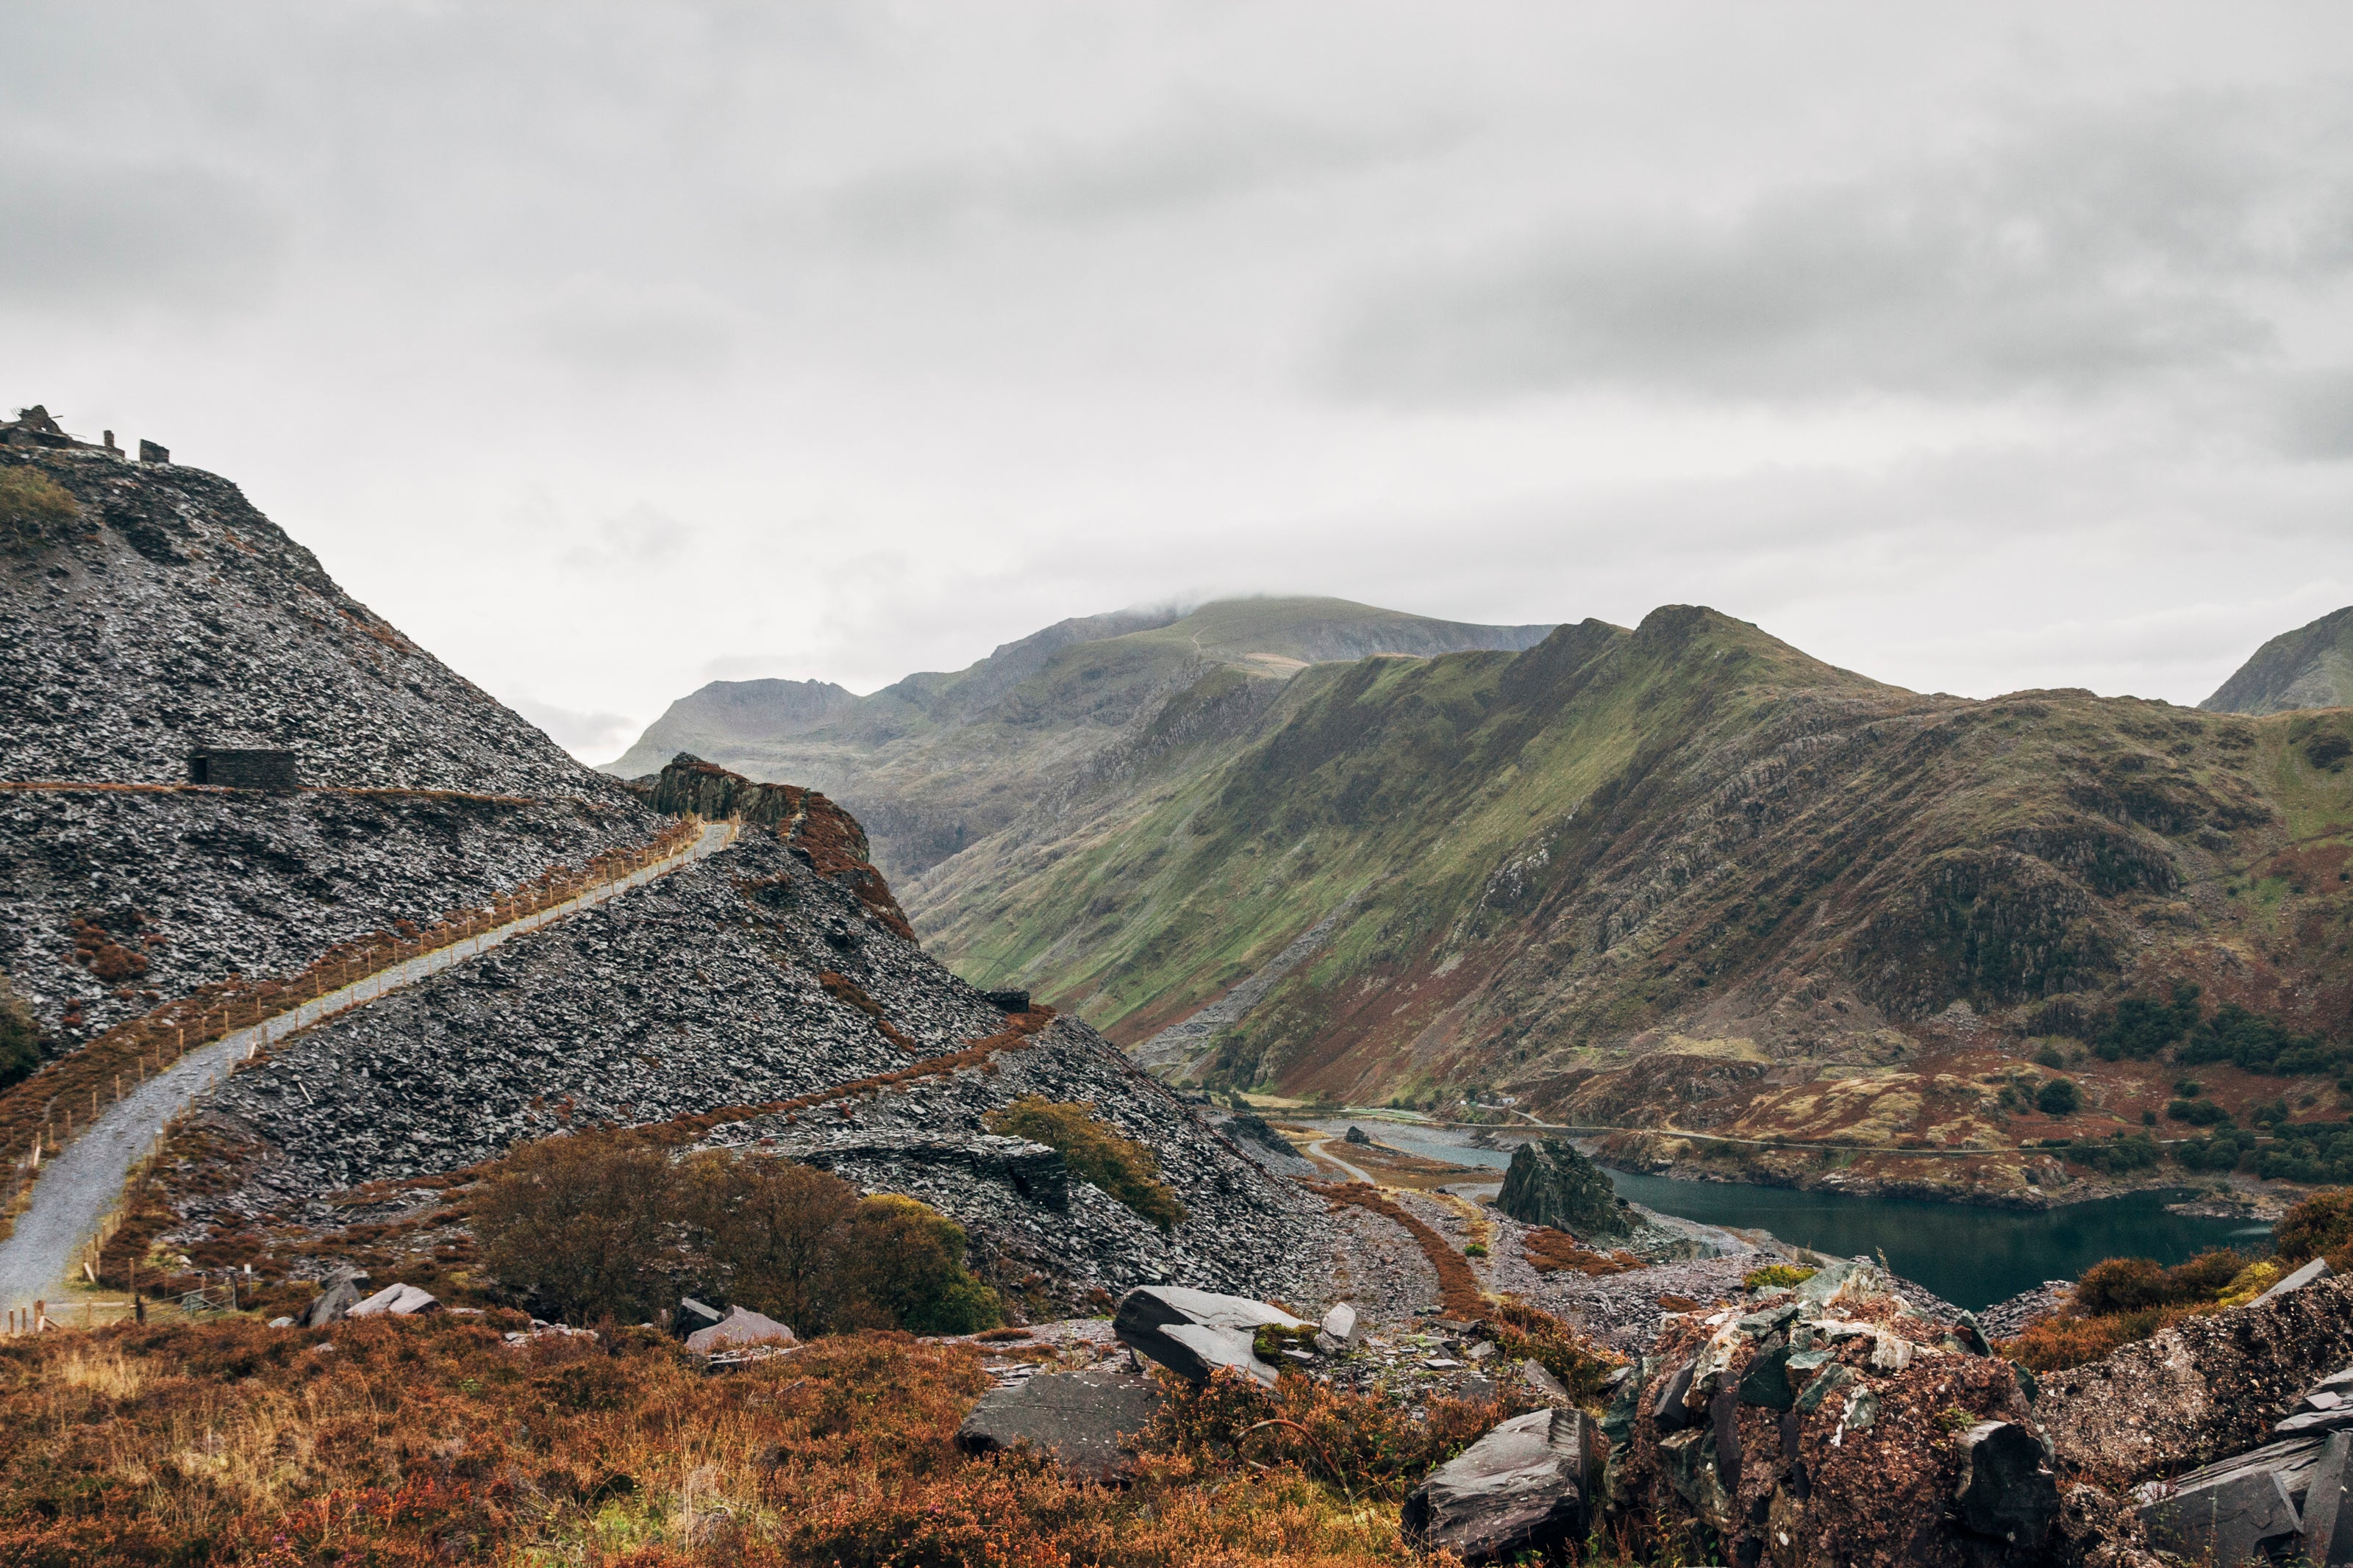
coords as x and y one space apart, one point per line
1972 1257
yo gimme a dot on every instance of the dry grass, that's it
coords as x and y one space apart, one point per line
432 1441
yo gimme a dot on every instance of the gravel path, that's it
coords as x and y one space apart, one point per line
77 1188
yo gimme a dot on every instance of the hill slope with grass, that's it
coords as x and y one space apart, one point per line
2311 666
937 761
1687 877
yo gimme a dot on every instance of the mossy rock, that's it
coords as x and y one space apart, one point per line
1550 1183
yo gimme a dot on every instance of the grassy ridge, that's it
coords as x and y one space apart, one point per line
1617 837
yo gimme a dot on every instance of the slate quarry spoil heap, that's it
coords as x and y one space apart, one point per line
150 615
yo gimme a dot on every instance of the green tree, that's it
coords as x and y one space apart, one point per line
2058 1097
906 1263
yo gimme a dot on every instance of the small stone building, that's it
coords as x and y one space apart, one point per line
241 768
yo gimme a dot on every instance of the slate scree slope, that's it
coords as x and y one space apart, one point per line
163 613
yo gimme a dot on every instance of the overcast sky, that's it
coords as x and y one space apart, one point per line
612 349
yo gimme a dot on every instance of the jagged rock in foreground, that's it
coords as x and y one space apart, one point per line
1826 1427
1549 1183
1524 1487
2199 1389
1194 1332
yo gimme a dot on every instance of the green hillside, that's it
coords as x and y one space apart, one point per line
1564 857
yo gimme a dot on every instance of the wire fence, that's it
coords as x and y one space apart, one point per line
41 1115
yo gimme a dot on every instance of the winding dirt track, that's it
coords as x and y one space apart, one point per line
79 1187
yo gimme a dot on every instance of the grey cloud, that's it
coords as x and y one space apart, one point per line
2313 415
598 325
131 234
1199 154
640 538
2084 253
584 734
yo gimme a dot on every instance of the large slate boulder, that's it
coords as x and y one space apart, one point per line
1523 1487
1550 1183
1077 1416
1194 1332
331 1306
396 1301
740 1327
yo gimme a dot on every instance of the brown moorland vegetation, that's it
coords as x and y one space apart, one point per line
395 1443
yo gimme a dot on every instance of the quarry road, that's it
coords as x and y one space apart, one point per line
1322 1151
79 1187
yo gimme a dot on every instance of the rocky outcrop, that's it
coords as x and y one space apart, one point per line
1831 1426
827 837
2311 666
1551 1183
2199 1389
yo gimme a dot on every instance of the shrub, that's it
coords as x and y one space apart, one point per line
2258 1045
20 1036
1124 1169
2120 1155
2122 1285
1475 1249
1775 1276
2058 1097
907 1268
32 505
575 1225
2319 1226
2198 1113
2048 1056
2142 1026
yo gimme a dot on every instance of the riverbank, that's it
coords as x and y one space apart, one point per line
1973 1255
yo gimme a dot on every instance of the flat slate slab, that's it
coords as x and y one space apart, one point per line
1077 1416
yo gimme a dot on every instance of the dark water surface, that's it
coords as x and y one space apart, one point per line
1972 1257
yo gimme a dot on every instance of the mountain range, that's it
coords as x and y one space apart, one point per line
1679 876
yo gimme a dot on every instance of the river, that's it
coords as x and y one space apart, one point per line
1972 1257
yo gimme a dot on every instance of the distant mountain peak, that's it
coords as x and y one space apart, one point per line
2311 666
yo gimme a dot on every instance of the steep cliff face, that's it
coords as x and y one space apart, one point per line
147 610
2311 666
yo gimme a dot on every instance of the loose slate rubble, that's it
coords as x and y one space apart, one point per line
1194 1332
2199 1388
1526 1486
175 617
704 989
1079 1417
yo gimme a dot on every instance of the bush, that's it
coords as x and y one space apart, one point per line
32 505
601 1226
2318 1227
1124 1169
577 1226
2120 1155
907 1268
2258 1045
2122 1285
1775 1276
2200 1112
2058 1097
777 1232
21 1036
2141 1026
2048 1056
